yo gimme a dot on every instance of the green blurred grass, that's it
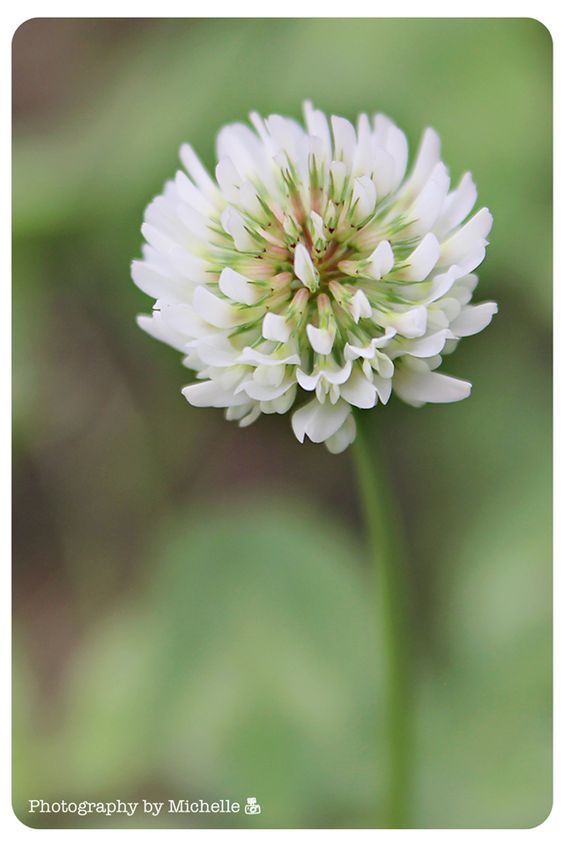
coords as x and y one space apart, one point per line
173 635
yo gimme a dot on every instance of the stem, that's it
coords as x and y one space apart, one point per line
391 592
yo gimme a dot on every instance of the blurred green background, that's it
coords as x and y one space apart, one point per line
193 614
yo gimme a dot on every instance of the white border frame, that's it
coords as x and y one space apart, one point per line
551 830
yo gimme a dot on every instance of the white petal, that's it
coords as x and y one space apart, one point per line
302 418
427 157
215 351
321 340
248 199
239 143
344 137
282 404
363 158
157 285
193 196
237 288
237 412
442 283
161 211
410 324
182 318
383 387
251 356
457 206
318 125
363 197
382 170
188 265
450 308
155 326
318 421
234 224
308 381
333 375
381 261
424 347
275 327
192 219
288 136
473 319
353 351
204 394
394 142
468 243
336 375
422 260
318 226
218 312
229 180
272 376
418 387
266 392
250 418
427 205
198 172
360 306
383 365
359 391
343 437
338 171
464 288
304 268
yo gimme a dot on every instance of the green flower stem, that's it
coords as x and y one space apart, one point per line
385 545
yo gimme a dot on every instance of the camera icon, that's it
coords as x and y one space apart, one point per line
252 807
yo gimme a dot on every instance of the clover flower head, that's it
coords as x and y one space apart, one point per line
311 272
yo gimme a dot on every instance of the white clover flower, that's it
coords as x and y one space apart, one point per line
311 271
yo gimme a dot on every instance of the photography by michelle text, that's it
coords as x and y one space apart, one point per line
282 308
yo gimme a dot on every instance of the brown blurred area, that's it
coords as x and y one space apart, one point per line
57 63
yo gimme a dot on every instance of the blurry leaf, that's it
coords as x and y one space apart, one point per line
485 736
251 671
